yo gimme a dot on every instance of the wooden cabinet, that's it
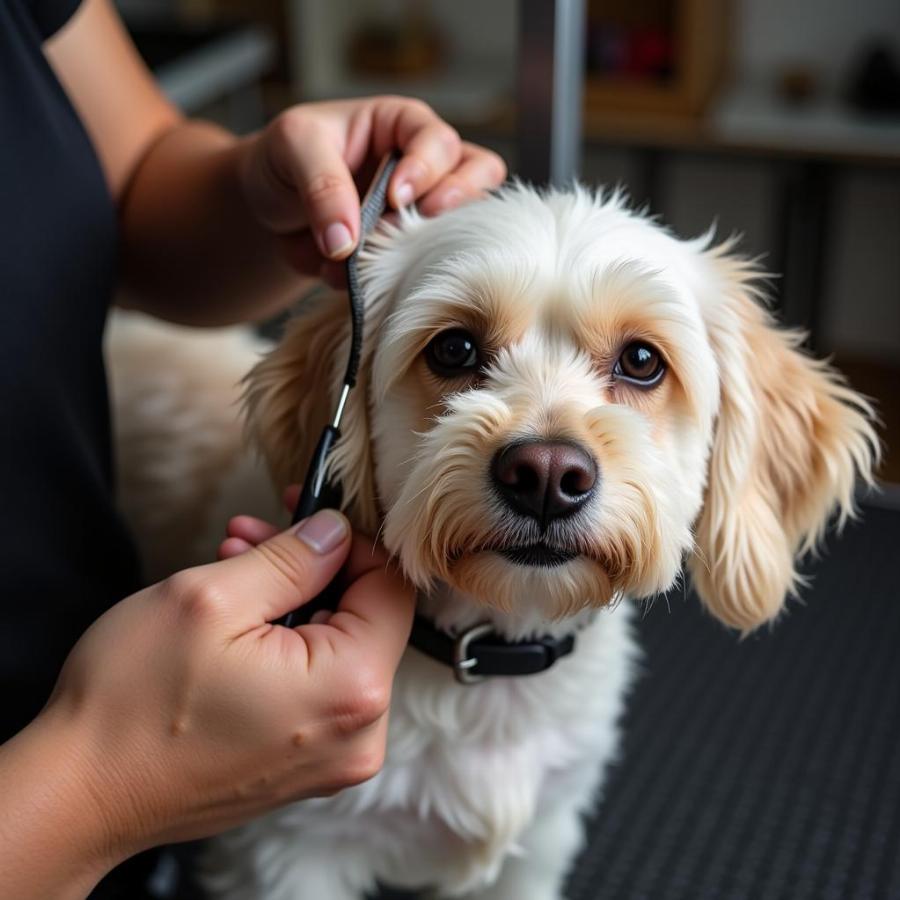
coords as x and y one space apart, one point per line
660 58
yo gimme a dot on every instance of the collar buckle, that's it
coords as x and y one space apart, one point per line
461 661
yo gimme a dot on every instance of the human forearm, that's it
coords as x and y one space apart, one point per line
192 252
54 831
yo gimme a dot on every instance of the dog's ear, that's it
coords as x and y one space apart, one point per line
789 441
291 394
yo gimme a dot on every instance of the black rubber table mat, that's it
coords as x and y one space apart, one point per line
766 768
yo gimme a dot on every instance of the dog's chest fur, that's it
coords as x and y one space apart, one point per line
467 770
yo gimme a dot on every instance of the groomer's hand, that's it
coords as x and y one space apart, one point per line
298 174
182 712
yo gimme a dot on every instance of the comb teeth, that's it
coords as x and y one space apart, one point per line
372 209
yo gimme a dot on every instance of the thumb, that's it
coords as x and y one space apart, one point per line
286 571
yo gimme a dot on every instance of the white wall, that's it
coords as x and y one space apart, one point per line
821 33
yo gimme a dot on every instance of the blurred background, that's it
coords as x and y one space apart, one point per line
765 768
777 119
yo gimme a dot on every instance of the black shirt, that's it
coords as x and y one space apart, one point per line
65 555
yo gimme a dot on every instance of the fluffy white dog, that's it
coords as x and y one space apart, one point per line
560 403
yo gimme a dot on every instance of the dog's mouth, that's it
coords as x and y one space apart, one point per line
539 554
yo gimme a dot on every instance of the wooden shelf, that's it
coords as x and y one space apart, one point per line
697 31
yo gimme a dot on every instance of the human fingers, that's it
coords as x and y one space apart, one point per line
431 148
363 735
371 627
366 555
309 157
291 496
250 529
278 575
244 532
479 170
232 547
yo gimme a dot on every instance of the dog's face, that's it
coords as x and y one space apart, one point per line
542 409
560 402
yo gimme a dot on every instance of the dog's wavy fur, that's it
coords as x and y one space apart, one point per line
734 464
790 439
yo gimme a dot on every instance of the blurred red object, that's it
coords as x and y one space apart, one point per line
651 53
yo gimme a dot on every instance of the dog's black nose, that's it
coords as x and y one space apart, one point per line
544 479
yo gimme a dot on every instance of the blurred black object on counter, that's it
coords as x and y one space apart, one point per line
875 81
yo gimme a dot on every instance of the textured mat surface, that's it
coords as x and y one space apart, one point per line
768 768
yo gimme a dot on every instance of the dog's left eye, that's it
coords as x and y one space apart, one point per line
640 364
452 353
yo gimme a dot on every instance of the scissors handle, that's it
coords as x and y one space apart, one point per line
318 493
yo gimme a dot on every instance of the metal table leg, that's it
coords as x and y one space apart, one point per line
550 87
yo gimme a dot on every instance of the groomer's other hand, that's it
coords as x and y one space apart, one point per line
182 711
298 173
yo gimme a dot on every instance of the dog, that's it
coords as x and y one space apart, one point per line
560 406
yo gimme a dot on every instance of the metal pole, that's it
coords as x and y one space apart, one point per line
550 85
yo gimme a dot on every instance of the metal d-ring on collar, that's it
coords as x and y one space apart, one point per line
462 662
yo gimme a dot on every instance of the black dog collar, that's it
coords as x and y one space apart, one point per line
479 651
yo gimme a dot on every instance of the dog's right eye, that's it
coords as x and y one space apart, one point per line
452 353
